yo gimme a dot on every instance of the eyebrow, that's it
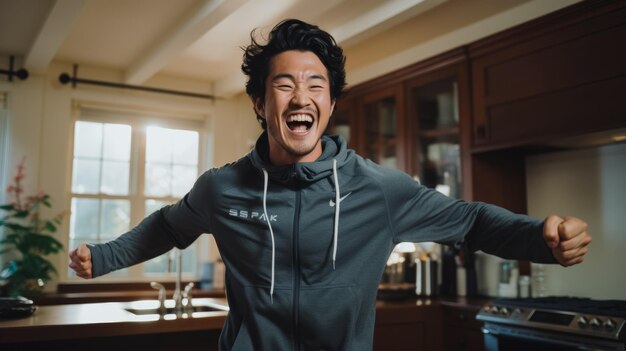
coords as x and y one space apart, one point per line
290 76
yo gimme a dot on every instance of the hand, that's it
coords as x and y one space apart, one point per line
567 237
80 261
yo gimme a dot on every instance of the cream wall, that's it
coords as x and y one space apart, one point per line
589 184
41 113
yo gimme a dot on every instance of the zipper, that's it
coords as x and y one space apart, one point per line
296 276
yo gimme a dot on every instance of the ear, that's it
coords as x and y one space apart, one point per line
259 107
332 107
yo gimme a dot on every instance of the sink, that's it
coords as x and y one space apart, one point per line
151 307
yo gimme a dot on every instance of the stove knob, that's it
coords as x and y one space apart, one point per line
495 309
609 325
594 323
487 308
582 322
504 311
518 311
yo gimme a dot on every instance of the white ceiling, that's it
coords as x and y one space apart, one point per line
189 39
192 39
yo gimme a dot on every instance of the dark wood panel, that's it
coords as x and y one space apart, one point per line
587 59
400 337
205 340
584 109
575 46
499 178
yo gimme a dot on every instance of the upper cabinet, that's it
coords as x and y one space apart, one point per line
434 138
381 121
560 75
463 121
412 120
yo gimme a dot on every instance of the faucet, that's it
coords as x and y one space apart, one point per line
178 297
182 300
161 289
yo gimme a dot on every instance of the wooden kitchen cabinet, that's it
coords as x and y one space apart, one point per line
416 120
437 142
557 76
382 118
517 91
343 121
407 326
460 329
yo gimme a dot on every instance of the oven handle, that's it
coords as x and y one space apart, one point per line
487 331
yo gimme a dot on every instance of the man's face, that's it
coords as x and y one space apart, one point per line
297 106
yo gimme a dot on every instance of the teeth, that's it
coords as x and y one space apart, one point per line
300 118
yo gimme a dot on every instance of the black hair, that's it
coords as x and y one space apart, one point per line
292 34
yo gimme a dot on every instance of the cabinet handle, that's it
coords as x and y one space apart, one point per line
481 131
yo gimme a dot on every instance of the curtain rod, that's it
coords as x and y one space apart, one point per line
20 73
65 78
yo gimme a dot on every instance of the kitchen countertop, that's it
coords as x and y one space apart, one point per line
58 322
66 322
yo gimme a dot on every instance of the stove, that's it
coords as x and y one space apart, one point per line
599 324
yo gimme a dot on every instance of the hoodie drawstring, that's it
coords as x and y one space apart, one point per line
269 225
267 219
337 198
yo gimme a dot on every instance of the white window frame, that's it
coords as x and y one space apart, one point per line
139 122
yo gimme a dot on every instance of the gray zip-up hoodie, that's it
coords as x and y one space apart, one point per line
305 245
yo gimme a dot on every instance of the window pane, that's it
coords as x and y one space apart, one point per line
185 147
85 176
115 218
88 139
159 264
158 178
116 142
183 179
168 263
158 145
153 205
115 177
84 219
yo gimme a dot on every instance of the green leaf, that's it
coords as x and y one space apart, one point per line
6 207
41 243
50 226
17 227
21 214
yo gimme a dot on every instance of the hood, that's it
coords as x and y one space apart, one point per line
333 147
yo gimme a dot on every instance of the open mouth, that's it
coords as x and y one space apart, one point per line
300 123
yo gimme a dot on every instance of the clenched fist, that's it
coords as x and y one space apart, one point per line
80 261
567 237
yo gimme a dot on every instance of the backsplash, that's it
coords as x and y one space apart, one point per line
590 184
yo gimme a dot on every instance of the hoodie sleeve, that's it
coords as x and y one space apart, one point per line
176 225
419 214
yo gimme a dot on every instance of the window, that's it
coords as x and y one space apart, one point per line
124 171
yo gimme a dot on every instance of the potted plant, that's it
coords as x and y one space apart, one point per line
28 239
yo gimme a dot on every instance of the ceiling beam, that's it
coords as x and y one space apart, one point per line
52 34
201 20
385 16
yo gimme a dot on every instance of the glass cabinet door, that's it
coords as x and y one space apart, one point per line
340 121
381 125
434 133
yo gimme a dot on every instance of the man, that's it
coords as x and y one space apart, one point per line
305 225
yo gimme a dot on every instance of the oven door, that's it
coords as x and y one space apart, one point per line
499 337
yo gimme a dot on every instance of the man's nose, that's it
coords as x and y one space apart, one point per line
300 98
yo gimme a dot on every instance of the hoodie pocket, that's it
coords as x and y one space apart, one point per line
327 317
